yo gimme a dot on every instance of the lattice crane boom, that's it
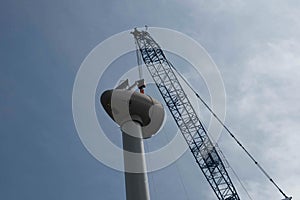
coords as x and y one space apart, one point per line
188 122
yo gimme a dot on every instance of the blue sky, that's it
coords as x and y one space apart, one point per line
42 44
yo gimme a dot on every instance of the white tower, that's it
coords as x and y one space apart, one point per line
139 117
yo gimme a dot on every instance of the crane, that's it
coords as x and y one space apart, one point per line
205 153
188 122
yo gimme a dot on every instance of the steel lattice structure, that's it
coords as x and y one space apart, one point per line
202 148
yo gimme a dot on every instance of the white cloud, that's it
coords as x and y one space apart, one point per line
269 86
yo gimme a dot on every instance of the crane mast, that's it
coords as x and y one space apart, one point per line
201 146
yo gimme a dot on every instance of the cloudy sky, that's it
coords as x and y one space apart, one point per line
255 45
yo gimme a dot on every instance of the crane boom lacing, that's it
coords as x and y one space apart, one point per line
199 143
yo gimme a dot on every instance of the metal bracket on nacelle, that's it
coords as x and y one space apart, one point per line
125 84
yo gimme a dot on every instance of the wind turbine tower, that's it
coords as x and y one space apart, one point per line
140 117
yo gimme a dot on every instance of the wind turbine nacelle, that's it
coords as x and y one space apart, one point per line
127 105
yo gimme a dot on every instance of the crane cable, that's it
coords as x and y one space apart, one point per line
167 139
139 61
235 174
230 133
140 70
150 174
223 157
177 167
